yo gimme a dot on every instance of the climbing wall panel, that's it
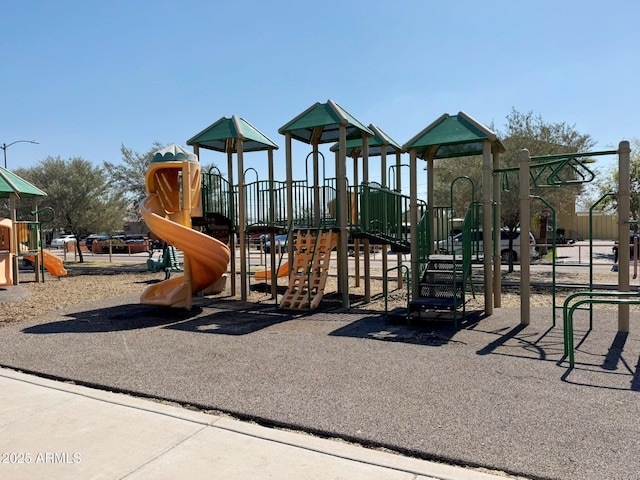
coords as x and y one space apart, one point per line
310 269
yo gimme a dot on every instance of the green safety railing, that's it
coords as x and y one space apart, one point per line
219 196
265 203
383 213
406 275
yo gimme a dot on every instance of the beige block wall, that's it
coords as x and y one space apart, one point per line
605 227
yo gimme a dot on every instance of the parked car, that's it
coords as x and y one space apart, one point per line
453 245
280 243
62 241
91 238
120 243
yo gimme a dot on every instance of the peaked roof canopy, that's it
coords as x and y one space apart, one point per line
322 122
173 153
12 183
452 136
379 142
215 136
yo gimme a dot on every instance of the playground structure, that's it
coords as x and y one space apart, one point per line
367 212
364 212
324 213
23 238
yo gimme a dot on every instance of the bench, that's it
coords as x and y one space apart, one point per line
589 298
168 262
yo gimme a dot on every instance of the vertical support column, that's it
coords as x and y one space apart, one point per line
272 221
316 187
525 227
39 256
624 196
487 225
289 171
242 224
232 214
431 194
186 221
336 212
13 240
383 182
341 193
497 192
413 220
358 219
400 213
367 243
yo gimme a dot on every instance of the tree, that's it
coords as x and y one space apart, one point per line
522 130
540 138
609 183
128 177
80 195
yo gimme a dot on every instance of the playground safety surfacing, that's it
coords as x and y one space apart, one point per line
493 394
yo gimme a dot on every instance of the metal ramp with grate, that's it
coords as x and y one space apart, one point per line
309 270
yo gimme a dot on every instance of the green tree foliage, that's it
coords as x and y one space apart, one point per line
128 176
522 130
610 179
526 130
80 195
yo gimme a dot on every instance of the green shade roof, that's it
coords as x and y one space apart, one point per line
174 153
12 183
452 136
379 142
215 136
322 121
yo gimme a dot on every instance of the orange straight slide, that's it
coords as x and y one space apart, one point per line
52 263
265 275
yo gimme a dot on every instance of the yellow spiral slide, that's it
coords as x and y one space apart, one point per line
205 258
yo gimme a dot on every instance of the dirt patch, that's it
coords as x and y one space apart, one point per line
78 287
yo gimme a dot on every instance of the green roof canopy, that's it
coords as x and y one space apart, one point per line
322 122
379 142
215 136
452 136
12 183
173 153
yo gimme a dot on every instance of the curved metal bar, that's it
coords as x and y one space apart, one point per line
254 171
393 167
616 298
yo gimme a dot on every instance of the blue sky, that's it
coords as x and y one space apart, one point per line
85 77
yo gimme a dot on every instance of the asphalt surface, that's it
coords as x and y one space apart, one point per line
494 394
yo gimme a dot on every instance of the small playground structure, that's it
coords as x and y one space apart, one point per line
20 238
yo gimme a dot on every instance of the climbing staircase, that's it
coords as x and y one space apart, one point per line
309 270
443 286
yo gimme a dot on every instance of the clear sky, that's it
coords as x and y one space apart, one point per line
84 77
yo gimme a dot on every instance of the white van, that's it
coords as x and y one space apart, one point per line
453 245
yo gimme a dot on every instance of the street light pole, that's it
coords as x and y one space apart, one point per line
4 147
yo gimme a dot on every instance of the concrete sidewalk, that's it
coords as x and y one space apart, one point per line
51 429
